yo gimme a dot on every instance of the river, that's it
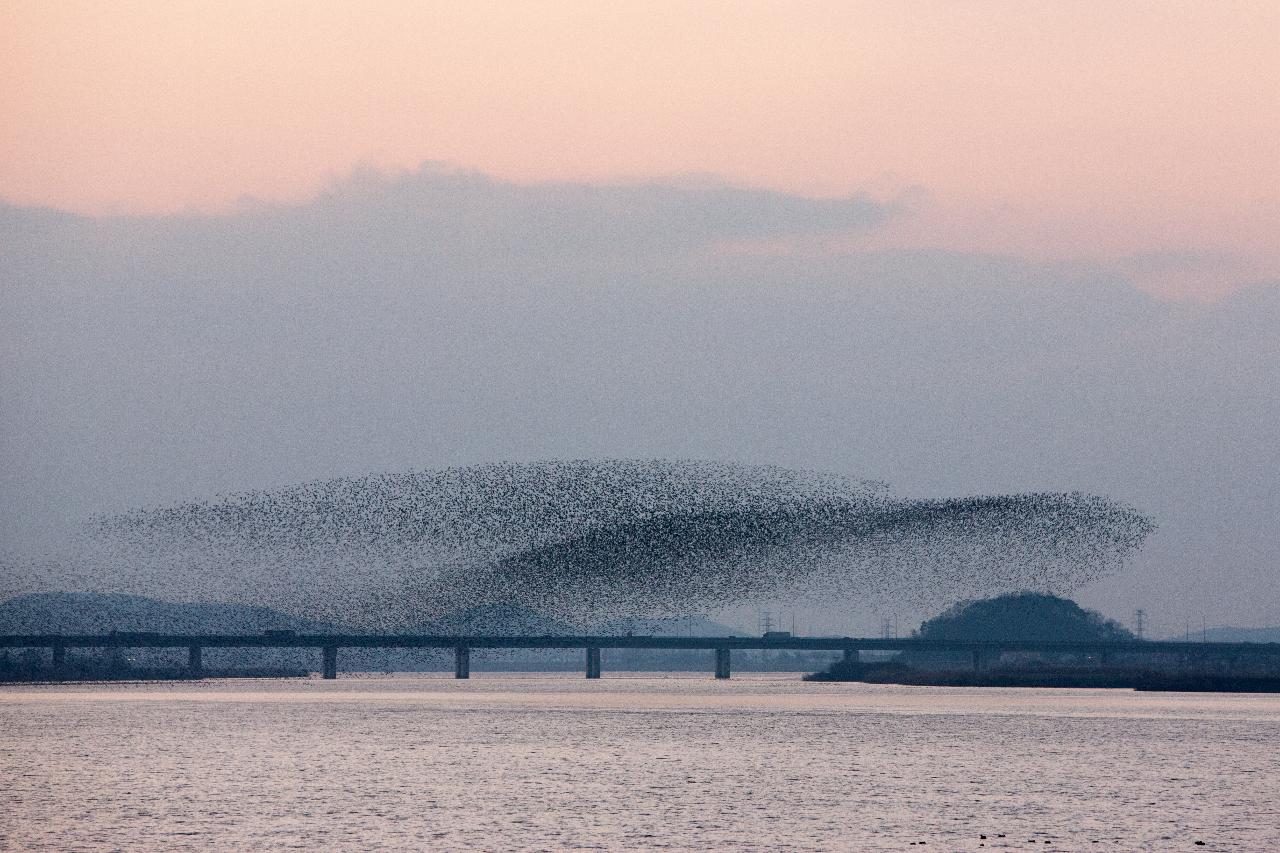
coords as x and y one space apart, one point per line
682 762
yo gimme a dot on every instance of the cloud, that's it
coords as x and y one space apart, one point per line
471 211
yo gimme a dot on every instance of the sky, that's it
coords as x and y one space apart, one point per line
1140 134
962 248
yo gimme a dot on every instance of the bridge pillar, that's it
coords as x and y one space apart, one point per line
330 662
462 662
195 664
593 663
59 657
722 663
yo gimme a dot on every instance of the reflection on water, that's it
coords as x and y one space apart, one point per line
554 762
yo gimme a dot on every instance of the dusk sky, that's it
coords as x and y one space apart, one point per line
1143 136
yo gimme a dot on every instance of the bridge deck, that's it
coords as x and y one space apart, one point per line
123 639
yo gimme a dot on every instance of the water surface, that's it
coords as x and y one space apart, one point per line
552 762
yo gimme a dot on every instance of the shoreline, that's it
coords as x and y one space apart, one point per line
1123 679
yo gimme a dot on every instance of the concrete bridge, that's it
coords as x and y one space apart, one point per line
982 652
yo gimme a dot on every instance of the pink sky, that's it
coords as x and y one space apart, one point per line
1052 130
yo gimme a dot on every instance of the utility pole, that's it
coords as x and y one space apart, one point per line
764 625
1139 616
765 622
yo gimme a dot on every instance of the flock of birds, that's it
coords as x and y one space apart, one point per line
587 540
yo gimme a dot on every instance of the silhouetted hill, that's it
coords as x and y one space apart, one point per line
509 619
516 620
99 613
1022 616
693 626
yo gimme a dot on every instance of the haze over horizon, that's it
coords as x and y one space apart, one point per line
961 248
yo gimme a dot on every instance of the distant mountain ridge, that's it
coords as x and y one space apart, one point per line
508 619
691 626
1228 634
101 613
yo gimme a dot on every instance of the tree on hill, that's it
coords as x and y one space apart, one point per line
1023 616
